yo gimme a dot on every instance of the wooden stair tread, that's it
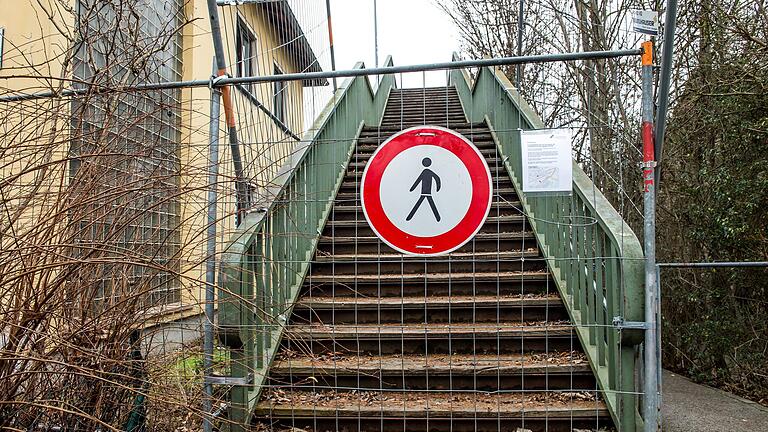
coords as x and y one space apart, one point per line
489 219
459 364
417 404
527 235
347 207
326 302
414 330
374 258
439 277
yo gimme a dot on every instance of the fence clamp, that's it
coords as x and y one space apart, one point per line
215 80
229 380
618 322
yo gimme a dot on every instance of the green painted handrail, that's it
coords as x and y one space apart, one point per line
593 256
265 262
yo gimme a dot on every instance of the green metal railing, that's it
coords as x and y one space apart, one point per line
594 257
264 264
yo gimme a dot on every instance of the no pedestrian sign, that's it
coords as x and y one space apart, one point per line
426 191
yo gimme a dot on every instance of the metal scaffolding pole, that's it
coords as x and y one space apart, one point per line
520 24
241 187
670 21
375 34
651 391
330 42
210 260
302 76
242 201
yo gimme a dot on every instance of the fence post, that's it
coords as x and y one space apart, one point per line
330 43
210 259
242 189
651 366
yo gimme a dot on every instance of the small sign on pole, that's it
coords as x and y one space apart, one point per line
645 22
547 163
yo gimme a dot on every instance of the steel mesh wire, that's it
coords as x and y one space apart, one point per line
355 266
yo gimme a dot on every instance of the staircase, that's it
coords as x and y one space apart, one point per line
475 340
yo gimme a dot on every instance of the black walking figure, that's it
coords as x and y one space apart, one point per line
425 178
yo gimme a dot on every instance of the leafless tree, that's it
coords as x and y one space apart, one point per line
599 99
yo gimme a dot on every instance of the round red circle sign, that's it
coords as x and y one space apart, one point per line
426 191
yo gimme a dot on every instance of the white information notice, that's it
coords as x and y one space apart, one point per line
547 164
645 22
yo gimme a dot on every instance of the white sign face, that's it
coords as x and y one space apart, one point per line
420 209
547 163
645 22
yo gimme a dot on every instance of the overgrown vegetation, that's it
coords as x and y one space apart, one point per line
713 201
89 191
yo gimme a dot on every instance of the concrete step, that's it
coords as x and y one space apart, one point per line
368 145
432 109
462 262
454 257
427 278
360 163
334 225
433 119
498 207
382 410
488 153
411 338
351 191
360 228
428 309
352 210
418 287
502 186
476 136
482 372
462 128
357 171
482 242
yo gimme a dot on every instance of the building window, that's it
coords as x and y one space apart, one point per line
280 96
246 51
128 209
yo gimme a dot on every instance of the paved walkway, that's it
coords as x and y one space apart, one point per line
690 407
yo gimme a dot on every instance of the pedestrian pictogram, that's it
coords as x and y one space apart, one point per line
426 191
425 179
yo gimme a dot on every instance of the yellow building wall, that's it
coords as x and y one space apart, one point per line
33 134
36 45
264 146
